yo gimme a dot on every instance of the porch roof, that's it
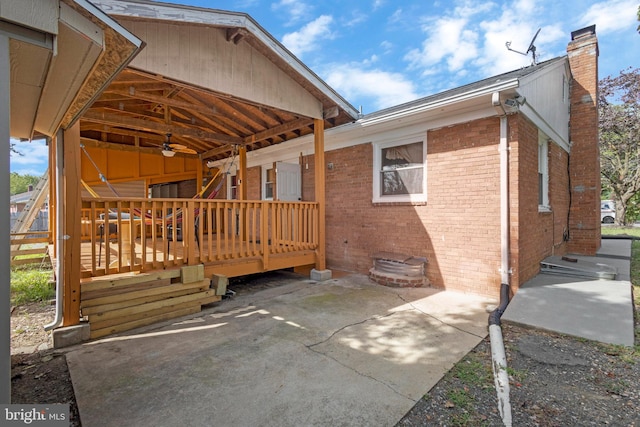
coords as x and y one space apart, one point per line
224 82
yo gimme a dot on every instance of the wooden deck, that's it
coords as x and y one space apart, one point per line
228 237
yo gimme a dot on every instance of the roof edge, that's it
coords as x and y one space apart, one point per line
198 15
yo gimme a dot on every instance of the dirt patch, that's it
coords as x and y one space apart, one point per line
39 374
555 380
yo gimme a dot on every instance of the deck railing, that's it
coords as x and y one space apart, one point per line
148 234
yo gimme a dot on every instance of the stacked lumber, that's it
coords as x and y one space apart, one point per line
123 302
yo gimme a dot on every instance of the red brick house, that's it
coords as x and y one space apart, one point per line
484 181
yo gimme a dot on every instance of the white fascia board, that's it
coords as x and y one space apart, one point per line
221 18
110 22
416 109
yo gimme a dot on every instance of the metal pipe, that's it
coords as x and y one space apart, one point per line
504 200
498 357
57 320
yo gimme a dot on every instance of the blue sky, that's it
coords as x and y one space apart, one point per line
380 53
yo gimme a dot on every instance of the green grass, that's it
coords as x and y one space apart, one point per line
472 372
617 231
30 285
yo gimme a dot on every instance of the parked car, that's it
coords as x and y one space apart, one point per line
607 212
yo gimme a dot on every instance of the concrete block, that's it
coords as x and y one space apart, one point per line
71 335
219 283
192 273
320 275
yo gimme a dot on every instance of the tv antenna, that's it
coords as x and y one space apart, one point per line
532 49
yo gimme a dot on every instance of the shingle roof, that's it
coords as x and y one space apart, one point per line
471 87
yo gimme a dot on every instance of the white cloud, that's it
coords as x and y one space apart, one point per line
384 89
377 4
307 38
448 40
35 159
611 15
297 9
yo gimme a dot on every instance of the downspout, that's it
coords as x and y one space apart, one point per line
57 320
498 356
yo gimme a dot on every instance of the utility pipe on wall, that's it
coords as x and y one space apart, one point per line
57 320
498 357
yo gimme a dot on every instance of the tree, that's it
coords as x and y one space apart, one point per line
20 183
620 137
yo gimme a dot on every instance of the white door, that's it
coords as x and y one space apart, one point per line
288 182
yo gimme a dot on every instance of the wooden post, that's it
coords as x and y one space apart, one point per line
71 251
242 173
318 134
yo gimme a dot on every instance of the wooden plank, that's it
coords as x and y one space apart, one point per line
36 251
143 293
98 333
87 295
103 308
96 325
192 273
26 241
153 306
126 279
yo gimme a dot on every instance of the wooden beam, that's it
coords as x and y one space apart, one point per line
278 130
150 126
235 35
318 139
124 147
215 151
71 253
172 102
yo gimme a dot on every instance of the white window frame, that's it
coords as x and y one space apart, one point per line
378 146
265 168
233 171
543 172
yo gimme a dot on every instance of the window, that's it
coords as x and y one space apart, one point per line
269 182
399 171
233 187
543 172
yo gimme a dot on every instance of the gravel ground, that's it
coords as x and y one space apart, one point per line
555 380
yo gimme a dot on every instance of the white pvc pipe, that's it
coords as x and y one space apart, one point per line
504 200
500 375
59 141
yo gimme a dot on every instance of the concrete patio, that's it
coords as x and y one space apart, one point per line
341 352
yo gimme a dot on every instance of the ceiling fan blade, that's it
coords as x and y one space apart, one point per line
177 146
185 150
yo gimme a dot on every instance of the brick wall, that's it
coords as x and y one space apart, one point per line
457 230
585 156
535 235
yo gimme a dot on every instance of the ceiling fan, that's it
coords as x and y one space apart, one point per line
169 149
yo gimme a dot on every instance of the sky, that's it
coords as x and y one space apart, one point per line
381 53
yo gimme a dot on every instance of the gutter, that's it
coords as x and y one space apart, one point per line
498 356
57 320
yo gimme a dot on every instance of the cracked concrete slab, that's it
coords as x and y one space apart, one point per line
342 352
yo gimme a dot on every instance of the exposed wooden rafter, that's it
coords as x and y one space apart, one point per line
150 126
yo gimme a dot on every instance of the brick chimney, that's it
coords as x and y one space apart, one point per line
584 165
